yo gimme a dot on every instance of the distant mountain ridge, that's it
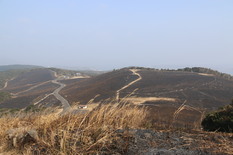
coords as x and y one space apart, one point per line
190 69
15 67
206 71
8 72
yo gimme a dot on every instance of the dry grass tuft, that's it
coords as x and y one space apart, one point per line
79 133
141 100
107 129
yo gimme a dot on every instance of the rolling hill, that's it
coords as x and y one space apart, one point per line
9 72
199 89
33 85
173 97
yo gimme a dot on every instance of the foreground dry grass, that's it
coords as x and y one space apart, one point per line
69 134
107 129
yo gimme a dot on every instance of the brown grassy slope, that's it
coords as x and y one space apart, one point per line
72 81
19 86
25 99
105 85
200 91
30 79
105 130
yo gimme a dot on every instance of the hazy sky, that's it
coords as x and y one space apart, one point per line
106 34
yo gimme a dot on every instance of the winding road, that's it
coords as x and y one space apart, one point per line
64 102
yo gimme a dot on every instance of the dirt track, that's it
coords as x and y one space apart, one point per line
134 71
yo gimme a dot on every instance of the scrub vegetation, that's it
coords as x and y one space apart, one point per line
220 120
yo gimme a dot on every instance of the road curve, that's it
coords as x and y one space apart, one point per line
64 102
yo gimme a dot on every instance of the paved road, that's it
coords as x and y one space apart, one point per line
64 102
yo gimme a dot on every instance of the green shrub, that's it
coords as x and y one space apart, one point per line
220 120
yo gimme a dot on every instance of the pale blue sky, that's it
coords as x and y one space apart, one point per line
107 34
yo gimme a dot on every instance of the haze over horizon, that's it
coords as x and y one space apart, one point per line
112 34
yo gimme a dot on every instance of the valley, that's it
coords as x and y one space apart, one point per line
113 77
169 102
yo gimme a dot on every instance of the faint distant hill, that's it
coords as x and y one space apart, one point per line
31 78
69 72
16 67
206 71
92 72
84 71
28 86
9 72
